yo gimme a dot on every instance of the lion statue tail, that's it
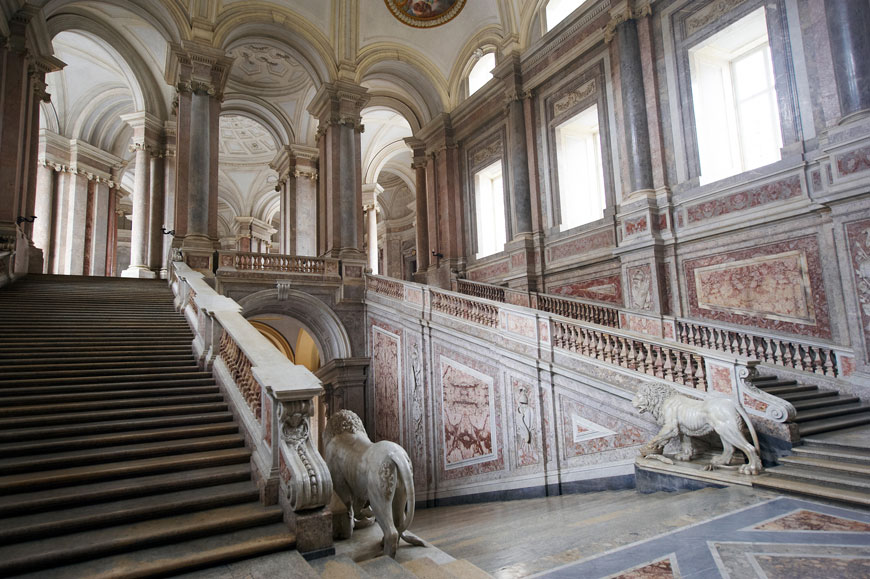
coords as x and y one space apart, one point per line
403 500
749 427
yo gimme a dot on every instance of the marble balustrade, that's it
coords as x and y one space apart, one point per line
271 397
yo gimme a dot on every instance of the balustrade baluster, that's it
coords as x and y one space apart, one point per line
632 355
668 366
700 376
679 377
659 370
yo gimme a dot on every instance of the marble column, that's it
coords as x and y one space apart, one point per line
849 34
306 206
337 106
198 178
288 215
371 212
44 207
141 215
101 219
156 224
13 120
421 217
634 120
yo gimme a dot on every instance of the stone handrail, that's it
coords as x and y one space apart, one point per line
272 397
7 259
277 263
704 371
800 355
568 307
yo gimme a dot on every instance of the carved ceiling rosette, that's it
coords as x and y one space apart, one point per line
425 13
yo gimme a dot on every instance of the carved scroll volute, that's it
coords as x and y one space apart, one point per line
310 485
759 402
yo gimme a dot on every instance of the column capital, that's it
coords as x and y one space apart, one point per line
370 192
198 68
147 129
631 10
339 103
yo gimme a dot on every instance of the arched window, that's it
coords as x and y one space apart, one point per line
481 72
558 10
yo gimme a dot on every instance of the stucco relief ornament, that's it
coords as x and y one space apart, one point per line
862 272
425 13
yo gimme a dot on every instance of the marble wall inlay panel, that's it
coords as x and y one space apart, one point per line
489 272
602 289
468 414
527 431
579 246
755 197
587 430
858 240
777 286
640 292
387 375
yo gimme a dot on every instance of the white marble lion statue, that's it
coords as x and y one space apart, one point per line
375 473
684 417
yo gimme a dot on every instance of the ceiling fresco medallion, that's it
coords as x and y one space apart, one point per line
425 13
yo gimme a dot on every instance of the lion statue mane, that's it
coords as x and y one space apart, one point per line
375 473
684 417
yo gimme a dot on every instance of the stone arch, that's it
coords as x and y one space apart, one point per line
166 16
489 38
321 322
263 112
409 72
147 94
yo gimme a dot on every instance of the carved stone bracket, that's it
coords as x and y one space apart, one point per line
758 402
310 485
641 10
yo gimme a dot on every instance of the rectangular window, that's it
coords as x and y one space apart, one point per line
489 208
581 174
734 98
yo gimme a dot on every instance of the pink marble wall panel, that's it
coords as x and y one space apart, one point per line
753 403
414 295
417 411
720 378
353 271
528 434
635 226
777 286
854 161
641 324
521 325
603 289
490 272
544 331
581 245
468 414
664 270
267 419
640 290
386 373
858 241
518 259
668 330
587 430
663 221
755 197
283 471
470 399
816 180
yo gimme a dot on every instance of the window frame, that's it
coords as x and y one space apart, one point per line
597 98
784 83
483 152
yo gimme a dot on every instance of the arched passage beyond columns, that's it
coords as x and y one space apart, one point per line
344 377
322 323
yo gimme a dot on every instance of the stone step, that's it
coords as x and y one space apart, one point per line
808 395
836 444
112 426
831 412
465 569
102 370
77 519
823 402
832 452
280 565
42 554
772 382
338 567
102 405
813 490
45 351
115 490
78 458
41 446
857 483
172 559
830 424
88 380
385 568
110 415
21 483
11 390
810 462
78 396
791 389
106 363
426 568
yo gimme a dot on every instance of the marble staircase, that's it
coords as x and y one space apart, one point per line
818 410
118 456
831 461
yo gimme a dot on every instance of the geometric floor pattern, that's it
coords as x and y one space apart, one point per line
784 538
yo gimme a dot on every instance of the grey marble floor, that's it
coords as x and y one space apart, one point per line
729 532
